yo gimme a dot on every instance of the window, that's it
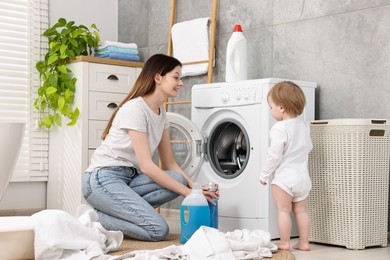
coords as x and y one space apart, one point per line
21 46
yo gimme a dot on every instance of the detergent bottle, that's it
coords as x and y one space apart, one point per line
194 212
236 56
213 208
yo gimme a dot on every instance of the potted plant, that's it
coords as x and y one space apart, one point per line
56 95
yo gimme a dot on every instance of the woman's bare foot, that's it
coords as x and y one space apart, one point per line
283 245
302 246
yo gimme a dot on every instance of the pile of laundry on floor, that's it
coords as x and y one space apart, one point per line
59 235
117 50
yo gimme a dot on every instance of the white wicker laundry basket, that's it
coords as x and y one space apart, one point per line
349 168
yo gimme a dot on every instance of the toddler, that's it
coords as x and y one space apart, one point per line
286 162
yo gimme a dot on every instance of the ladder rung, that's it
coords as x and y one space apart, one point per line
195 62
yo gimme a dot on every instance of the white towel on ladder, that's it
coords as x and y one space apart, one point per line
190 42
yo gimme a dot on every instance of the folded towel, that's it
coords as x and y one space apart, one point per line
117 50
190 42
118 56
104 44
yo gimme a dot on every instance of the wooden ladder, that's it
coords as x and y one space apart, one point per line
210 61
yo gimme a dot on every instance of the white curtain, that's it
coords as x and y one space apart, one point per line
21 46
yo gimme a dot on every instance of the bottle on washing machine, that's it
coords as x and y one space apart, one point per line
194 213
236 56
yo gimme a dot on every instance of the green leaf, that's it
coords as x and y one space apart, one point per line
54 50
43 106
63 48
57 119
72 123
97 36
94 26
76 33
53 79
61 103
50 90
69 25
64 33
68 96
70 53
53 44
63 69
61 22
52 59
40 66
73 42
49 32
76 113
47 122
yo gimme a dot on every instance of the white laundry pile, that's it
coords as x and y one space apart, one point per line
210 244
59 235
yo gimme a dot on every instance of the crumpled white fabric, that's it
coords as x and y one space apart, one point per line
59 235
246 244
210 244
168 253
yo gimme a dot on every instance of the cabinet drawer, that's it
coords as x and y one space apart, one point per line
109 78
99 104
96 129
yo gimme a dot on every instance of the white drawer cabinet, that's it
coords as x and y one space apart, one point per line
98 88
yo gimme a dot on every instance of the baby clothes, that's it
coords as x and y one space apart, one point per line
287 158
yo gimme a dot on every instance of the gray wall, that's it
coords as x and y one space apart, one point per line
344 46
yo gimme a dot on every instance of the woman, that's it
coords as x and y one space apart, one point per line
123 183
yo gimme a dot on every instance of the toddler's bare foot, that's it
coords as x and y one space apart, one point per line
283 245
302 246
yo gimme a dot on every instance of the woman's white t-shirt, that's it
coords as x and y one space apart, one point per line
116 149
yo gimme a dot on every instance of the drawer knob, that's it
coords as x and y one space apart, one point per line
112 77
112 105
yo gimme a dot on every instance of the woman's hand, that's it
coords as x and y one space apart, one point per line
211 192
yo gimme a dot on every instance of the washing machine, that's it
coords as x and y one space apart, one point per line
226 142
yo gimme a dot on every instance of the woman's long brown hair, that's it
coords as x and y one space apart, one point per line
145 84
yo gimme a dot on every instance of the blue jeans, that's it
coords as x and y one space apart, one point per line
126 201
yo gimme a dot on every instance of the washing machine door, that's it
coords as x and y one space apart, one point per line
186 142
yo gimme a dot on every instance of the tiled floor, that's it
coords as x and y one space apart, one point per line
318 251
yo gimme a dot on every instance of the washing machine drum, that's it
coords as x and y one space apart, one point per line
227 149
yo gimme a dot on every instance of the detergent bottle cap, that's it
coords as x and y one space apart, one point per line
237 28
196 187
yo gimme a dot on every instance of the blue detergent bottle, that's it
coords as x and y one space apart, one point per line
213 208
194 212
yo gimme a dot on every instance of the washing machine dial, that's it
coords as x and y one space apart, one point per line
225 97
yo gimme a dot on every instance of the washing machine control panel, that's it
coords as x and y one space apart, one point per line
241 95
